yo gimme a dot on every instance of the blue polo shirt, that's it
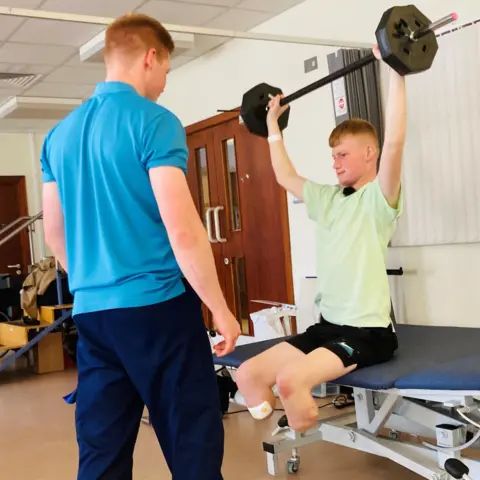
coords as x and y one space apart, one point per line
118 252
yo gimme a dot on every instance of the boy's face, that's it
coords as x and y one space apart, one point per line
353 158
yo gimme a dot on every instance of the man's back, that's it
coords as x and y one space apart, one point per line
119 255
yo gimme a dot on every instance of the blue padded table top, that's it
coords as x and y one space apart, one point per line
428 358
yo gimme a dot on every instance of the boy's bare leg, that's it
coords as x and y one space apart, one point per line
296 380
256 377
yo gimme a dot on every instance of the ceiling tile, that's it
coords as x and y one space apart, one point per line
26 68
9 90
272 6
75 61
236 19
8 25
220 3
24 3
101 8
59 90
181 13
35 54
87 76
6 92
52 32
179 61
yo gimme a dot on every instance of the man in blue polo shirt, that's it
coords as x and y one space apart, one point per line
119 217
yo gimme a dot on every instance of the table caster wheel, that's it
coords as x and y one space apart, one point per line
293 465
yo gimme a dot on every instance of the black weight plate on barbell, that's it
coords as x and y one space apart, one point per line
254 109
398 51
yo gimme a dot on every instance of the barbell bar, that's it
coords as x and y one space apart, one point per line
407 43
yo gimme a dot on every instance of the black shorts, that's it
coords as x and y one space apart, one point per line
363 347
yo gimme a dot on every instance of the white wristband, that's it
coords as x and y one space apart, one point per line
275 138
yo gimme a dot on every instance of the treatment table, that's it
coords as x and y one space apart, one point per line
429 391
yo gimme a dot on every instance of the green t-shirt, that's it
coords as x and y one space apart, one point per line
352 236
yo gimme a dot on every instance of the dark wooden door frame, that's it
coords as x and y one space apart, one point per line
21 184
225 117
211 122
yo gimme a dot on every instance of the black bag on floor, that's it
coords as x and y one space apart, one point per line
227 389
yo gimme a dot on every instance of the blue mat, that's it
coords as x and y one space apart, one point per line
428 358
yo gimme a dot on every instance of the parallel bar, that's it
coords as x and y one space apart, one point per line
213 32
43 333
12 224
21 228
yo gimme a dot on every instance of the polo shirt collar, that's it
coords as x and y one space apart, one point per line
113 87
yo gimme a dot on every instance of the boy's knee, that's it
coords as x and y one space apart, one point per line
287 382
248 374
243 375
248 378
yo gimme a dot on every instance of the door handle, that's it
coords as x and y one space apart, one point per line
217 224
18 265
208 221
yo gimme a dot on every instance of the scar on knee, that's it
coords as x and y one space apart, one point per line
285 388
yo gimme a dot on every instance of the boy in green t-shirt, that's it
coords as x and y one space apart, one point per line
354 222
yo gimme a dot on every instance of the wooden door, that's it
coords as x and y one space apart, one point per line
202 181
15 253
228 221
250 218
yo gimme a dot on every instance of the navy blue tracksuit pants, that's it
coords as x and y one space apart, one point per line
158 356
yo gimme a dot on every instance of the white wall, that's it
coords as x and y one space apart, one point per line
19 155
424 295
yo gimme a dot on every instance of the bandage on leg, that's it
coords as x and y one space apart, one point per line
261 411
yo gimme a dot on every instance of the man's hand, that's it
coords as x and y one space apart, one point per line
229 329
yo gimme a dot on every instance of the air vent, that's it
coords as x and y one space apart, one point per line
18 80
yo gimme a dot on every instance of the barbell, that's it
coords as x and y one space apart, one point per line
407 43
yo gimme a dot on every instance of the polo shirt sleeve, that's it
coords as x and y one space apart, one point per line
47 174
165 143
318 199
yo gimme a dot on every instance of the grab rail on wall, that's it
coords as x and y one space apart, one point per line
20 224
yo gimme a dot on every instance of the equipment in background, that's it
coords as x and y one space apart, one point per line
46 324
227 389
45 285
407 43
428 391
10 286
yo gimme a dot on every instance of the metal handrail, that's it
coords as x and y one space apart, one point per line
27 222
12 224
